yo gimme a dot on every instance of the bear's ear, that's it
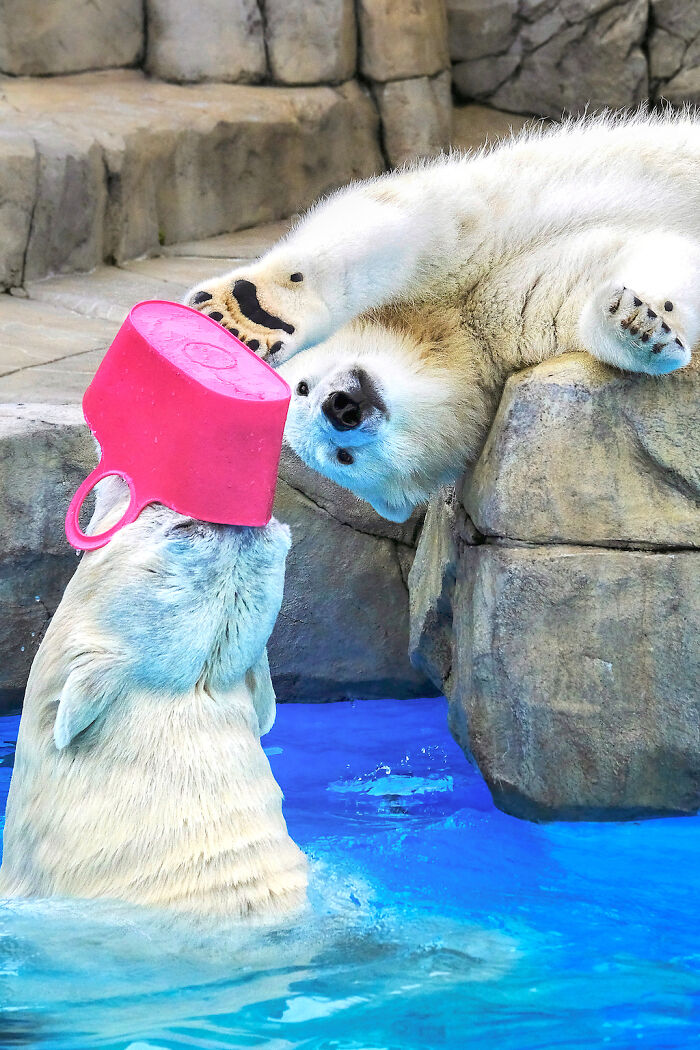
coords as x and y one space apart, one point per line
259 683
89 688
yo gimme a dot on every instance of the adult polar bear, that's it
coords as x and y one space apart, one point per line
421 291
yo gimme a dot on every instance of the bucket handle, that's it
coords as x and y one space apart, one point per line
76 537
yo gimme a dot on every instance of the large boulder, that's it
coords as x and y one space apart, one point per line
402 38
566 631
581 453
311 41
674 51
205 41
550 56
575 686
66 36
148 163
416 117
343 628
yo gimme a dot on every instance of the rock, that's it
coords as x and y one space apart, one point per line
343 628
674 51
416 117
431 583
46 452
481 28
402 38
311 41
548 58
575 686
18 178
67 36
475 126
581 453
150 163
207 41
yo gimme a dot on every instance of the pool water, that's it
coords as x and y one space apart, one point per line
436 921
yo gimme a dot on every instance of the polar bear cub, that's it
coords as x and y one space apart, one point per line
139 774
421 291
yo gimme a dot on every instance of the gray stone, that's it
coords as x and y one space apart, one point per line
46 452
402 38
557 58
108 292
431 583
581 453
474 126
67 36
674 51
481 28
149 163
416 117
18 178
343 628
32 334
575 686
209 40
311 41
245 244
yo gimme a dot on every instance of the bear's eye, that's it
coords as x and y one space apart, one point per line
343 456
303 389
296 277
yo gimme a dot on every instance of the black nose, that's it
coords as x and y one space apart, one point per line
342 411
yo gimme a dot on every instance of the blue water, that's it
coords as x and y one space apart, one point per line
437 922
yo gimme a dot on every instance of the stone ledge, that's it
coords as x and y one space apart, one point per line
575 685
581 453
150 163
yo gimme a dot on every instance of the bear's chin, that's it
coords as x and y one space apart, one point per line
392 511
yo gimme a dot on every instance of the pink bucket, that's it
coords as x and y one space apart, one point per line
188 416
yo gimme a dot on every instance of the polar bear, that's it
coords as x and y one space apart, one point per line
139 774
421 291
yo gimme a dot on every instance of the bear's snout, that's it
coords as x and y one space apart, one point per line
347 409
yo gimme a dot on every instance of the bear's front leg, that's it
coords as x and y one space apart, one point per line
253 306
647 317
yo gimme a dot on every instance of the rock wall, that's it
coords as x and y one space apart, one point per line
564 624
343 627
552 56
282 42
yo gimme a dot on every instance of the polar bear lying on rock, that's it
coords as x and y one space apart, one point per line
423 290
139 774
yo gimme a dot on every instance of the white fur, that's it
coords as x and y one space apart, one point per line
139 774
525 246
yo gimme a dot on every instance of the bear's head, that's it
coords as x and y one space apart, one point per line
377 411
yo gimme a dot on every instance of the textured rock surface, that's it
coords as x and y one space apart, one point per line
66 36
576 679
343 629
149 162
18 179
674 50
311 41
208 40
584 454
572 667
45 454
402 38
416 117
474 126
549 56
431 584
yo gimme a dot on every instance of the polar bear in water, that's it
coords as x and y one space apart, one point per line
139 774
421 291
